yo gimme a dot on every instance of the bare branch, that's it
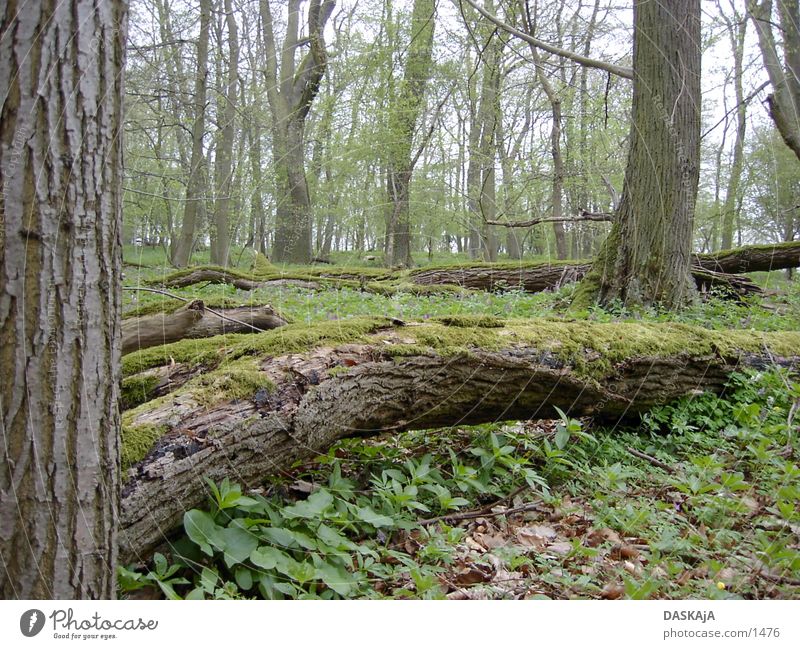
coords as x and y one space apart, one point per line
619 70
583 216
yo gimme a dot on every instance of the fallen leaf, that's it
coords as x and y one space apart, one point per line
612 591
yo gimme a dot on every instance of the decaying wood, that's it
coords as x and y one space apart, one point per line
749 259
709 270
370 391
533 278
195 321
217 276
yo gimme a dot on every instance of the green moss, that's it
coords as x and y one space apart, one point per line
137 389
167 305
764 247
238 380
501 265
262 266
183 272
592 349
468 320
211 352
208 352
588 290
137 440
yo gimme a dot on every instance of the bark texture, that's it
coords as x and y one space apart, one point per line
195 321
646 259
61 170
394 380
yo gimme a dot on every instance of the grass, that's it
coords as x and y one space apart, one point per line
697 501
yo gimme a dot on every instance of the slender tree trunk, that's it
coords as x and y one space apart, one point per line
558 160
647 257
403 118
291 89
194 208
223 166
61 99
737 29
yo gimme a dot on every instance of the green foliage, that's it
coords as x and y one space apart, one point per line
729 499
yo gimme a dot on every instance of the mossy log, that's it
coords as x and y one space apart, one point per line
535 277
750 259
709 270
195 321
253 412
242 281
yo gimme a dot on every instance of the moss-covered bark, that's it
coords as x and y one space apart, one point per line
270 399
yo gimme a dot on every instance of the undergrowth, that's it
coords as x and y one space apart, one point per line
699 500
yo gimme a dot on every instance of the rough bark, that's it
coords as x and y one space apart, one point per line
195 321
646 258
61 97
362 389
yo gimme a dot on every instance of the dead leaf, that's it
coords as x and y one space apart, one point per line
601 535
612 591
562 548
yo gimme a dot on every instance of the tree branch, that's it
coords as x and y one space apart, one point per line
618 70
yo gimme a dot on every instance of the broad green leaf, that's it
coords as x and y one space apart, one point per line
239 543
201 528
268 557
331 537
312 507
244 578
279 536
367 515
337 578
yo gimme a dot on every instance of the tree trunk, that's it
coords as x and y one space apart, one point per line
223 166
61 174
371 385
646 258
290 92
193 210
784 102
195 321
403 117
737 31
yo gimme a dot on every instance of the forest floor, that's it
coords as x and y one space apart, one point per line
699 499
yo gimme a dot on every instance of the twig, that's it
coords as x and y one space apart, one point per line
651 459
484 511
583 216
210 310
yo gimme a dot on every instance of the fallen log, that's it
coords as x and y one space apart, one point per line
535 277
194 320
749 259
709 270
212 275
378 378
